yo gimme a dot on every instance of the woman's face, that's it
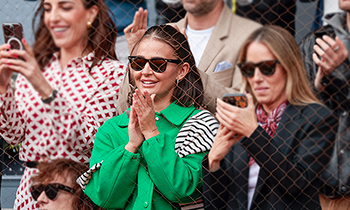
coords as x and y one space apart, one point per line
162 84
270 91
63 199
66 21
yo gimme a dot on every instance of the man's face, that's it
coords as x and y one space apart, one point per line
199 7
344 5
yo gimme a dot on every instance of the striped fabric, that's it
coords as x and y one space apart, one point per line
197 205
84 179
197 135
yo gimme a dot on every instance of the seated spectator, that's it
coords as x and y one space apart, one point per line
150 156
55 188
270 154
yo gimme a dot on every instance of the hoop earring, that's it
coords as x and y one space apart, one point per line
88 25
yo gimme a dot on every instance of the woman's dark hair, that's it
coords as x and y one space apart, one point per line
68 170
189 90
101 38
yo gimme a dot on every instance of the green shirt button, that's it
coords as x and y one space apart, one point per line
145 205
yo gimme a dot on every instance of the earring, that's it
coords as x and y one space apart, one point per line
177 81
88 25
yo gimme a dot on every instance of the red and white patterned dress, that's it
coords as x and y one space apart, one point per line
66 127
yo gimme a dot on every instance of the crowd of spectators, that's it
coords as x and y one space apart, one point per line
112 114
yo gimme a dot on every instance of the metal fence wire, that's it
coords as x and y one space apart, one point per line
308 153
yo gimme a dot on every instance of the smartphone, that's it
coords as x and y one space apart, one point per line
320 34
235 99
13 34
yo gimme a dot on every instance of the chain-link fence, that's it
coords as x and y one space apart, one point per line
287 171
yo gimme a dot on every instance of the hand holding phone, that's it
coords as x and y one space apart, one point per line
236 99
13 34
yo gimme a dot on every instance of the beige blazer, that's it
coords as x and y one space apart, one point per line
223 46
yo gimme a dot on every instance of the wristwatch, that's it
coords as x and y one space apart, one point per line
51 97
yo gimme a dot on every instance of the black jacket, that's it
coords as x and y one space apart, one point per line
290 163
268 12
337 97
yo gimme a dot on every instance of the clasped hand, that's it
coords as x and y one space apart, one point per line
142 125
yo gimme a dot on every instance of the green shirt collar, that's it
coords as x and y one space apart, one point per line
177 114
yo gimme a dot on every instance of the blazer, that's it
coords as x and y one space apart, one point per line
290 163
224 44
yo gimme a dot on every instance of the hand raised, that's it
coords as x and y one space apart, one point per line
331 51
137 28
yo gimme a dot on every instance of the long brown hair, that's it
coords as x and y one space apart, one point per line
70 171
284 47
101 38
190 89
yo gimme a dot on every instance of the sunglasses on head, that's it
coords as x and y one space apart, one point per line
157 64
50 190
267 68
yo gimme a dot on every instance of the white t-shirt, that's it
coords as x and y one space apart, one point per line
198 40
254 170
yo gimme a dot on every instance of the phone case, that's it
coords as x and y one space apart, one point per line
238 99
13 35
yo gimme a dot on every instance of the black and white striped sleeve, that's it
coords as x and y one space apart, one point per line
84 179
197 135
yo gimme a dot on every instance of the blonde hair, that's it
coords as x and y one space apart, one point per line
284 47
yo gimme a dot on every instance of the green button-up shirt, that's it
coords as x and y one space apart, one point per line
153 178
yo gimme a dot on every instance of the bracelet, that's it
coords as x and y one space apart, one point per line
51 97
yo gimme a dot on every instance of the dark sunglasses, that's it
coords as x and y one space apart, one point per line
157 64
267 68
51 190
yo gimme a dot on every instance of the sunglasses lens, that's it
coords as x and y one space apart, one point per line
36 191
248 70
267 68
158 65
138 63
51 191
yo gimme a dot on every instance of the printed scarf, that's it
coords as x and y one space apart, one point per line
269 123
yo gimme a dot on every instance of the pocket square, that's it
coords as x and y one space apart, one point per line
223 66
